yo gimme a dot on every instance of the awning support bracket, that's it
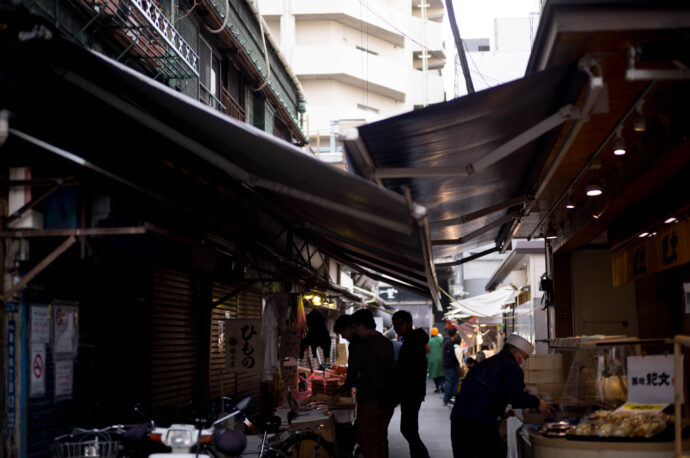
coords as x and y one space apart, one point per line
483 212
469 258
419 215
466 238
28 206
38 268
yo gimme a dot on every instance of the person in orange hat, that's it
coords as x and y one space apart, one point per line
435 363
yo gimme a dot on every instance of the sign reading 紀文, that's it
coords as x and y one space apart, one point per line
244 346
651 379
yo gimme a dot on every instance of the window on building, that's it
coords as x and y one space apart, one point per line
367 50
367 108
483 48
209 74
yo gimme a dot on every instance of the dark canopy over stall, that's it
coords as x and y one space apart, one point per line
100 114
474 162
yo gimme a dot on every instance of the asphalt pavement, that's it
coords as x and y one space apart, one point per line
434 428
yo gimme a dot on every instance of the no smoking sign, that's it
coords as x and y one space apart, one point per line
38 366
38 378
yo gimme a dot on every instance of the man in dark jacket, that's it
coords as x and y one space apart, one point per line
486 391
451 366
370 359
410 376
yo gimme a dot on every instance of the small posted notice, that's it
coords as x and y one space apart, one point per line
64 378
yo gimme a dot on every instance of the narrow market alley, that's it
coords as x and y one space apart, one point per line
434 428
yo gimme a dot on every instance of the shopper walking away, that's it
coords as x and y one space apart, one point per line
451 366
370 365
482 401
436 359
410 378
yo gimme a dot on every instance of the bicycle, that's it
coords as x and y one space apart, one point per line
285 443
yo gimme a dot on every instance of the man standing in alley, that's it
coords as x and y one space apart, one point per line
369 366
451 366
410 378
486 391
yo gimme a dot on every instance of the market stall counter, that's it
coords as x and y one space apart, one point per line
556 447
614 402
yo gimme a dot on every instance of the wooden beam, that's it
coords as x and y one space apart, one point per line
29 233
38 268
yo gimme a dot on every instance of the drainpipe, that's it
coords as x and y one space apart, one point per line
279 53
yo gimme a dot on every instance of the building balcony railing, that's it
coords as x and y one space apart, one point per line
148 37
232 107
210 99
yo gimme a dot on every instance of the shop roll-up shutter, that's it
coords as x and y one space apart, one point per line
245 305
175 370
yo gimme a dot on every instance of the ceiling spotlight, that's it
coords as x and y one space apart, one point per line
643 235
619 144
619 147
671 220
639 124
570 205
551 237
593 188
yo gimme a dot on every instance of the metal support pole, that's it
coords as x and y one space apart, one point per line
460 47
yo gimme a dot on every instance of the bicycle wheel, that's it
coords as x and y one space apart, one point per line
308 445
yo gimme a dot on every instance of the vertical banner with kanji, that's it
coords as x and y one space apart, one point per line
244 347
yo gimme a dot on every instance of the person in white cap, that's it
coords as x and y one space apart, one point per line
486 391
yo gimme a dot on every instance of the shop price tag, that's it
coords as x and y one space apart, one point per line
651 379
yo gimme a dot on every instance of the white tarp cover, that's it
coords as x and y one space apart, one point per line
489 304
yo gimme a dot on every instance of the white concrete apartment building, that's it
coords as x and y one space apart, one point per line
499 58
359 60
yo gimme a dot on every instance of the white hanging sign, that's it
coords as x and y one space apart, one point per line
40 324
244 346
651 379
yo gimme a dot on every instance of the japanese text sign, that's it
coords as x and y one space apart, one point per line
244 346
651 379
40 324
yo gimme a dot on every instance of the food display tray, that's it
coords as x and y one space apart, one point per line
664 436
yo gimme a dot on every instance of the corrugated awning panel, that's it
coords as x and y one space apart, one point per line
451 135
126 125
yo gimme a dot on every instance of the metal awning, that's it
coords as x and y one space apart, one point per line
473 162
105 116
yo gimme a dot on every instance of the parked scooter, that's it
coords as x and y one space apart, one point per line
192 441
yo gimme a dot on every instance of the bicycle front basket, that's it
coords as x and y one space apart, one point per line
85 449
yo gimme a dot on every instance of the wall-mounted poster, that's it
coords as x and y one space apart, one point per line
66 319
40 324
64 378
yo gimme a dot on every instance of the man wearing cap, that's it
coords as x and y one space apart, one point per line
486 391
